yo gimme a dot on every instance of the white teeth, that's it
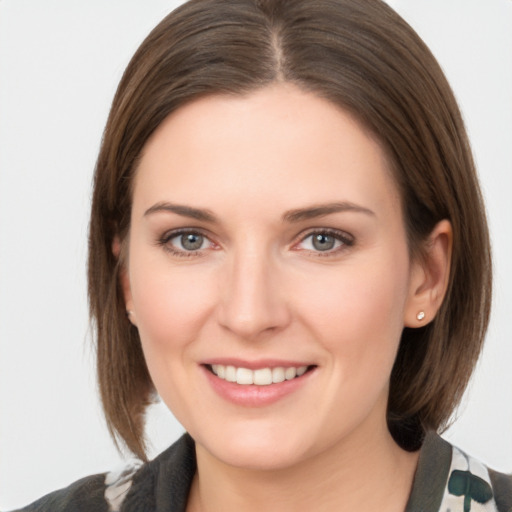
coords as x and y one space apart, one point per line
278 374
290 373
263 377
301 370
244 376
230 375
260 377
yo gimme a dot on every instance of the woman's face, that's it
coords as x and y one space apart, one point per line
267 243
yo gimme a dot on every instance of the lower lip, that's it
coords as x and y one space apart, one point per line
251 395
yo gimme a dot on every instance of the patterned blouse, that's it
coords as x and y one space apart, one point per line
446 480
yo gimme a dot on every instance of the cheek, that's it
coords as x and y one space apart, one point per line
171 304
172 307
357 310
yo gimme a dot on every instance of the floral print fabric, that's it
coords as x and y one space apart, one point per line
469 487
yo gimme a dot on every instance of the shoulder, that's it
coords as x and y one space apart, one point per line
136 487
83 495
502 488
448 479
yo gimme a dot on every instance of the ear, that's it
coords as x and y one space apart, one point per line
429 277
124 280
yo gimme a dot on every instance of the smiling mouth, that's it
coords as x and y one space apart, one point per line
259 377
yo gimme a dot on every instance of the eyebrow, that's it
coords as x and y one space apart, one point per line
184 211
315 211
291 216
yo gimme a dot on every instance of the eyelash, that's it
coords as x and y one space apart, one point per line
346 240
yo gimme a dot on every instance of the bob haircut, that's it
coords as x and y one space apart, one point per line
364 58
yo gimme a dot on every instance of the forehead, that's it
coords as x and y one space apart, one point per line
275 143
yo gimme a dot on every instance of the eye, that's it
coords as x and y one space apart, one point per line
185 243
189 241
326 241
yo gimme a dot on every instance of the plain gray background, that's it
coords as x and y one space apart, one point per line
60 61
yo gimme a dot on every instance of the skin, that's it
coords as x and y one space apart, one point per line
259 289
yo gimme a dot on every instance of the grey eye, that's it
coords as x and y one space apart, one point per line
323 242
326 241
191 241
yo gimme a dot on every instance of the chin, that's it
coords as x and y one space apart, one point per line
270 458
261 451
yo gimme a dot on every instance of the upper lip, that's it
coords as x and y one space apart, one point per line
256 364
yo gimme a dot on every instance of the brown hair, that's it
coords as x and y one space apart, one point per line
362 56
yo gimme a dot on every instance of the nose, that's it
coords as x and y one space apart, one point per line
253 302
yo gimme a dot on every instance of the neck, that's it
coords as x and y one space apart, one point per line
360 473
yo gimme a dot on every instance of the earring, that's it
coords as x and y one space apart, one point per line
129 312
420 316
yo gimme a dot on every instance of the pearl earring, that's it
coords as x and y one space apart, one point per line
420 316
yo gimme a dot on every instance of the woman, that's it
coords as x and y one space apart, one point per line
282 246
